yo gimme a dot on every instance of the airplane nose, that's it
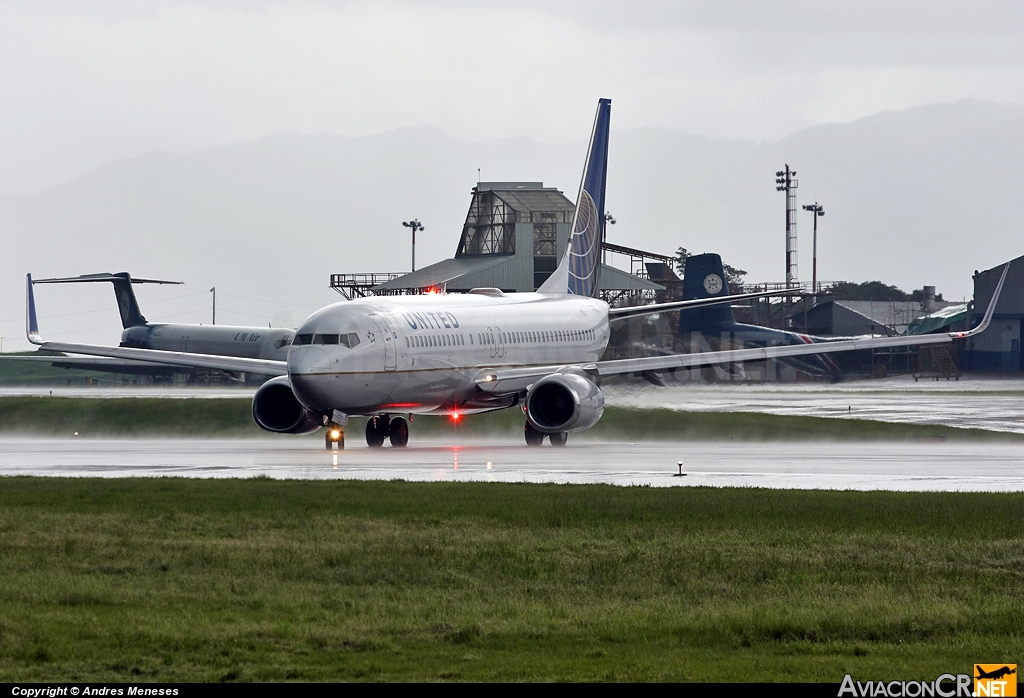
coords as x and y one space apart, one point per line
304 360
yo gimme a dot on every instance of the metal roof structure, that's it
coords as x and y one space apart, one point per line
512 239
440 274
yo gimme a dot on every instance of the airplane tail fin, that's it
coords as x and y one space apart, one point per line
127 305
577 273
704 277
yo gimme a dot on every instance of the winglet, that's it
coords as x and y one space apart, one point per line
983 325
31 322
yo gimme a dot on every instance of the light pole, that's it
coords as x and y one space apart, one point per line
816 210
214 292
415 225
610 219
785 181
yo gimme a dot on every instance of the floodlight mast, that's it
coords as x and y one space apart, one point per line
785 181
816 210
610 220
415 225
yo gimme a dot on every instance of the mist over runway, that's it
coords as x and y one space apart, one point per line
971 402
904 466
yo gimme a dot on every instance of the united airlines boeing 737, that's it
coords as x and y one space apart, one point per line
477 352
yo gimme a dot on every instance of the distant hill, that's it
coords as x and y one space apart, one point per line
922 196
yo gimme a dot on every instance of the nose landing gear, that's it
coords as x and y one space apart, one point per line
381 428
335 435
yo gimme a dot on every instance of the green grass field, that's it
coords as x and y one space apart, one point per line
204 580
231 417
36 373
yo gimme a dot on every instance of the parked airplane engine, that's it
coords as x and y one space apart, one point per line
564 402
275 408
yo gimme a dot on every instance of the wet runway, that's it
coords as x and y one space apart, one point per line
980 403
912 465
973 401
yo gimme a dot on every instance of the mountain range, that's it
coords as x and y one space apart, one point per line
922 196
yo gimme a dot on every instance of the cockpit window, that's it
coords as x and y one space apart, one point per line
350 340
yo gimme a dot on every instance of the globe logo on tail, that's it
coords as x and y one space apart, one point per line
585 248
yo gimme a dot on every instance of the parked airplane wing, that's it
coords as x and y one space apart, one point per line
262 367
634 311
103 364
510 380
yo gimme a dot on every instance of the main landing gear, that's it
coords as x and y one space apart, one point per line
380 428
535 437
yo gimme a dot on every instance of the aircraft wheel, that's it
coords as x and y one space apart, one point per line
533 437
376 431
399 432
559 438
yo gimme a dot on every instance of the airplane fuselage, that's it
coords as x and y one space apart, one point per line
221 340
423 354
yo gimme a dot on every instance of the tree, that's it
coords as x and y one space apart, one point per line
867 291
681 255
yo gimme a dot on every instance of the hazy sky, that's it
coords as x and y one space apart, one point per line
87 82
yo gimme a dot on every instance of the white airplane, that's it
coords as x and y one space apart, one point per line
222 340
477 352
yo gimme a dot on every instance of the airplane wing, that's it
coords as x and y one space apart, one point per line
634 311
102 364
517 379
264 367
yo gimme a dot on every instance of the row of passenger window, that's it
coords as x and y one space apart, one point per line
541 337
436 340
537 337
349 340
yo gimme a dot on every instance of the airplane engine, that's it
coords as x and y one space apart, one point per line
275 408
564 402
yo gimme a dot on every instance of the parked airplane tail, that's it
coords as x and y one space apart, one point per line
127 305
704 277
578 270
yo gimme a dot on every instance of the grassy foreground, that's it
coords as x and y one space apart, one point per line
231 417
152 579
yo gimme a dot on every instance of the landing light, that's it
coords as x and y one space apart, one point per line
335 433
488 378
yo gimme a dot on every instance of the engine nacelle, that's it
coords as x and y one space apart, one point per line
564 402
275 408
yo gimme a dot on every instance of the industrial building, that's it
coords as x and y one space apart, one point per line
515 233
842 318
513 237
998 347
